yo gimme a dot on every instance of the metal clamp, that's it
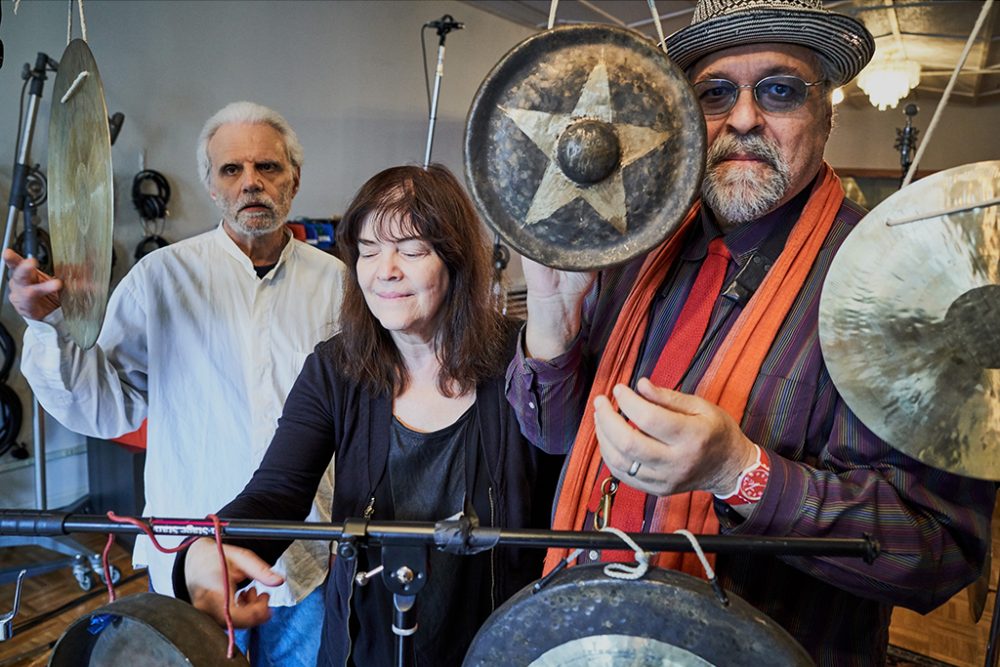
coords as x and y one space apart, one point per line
7 620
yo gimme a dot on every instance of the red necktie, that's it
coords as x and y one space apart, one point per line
675 359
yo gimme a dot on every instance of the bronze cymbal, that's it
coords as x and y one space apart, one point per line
584 147
910 320
81 192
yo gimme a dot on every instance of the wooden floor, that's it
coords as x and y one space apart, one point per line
47 592
948 634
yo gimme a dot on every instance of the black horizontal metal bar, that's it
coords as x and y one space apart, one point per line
377 533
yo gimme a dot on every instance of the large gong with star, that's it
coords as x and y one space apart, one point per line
584 147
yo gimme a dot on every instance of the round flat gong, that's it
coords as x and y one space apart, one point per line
910 320
584 147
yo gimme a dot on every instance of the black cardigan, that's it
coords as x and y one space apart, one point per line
328 414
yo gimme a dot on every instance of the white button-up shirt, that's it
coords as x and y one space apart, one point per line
209 351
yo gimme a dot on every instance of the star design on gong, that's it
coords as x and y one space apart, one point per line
556 189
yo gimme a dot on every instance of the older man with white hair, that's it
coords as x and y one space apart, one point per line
689 385
205 337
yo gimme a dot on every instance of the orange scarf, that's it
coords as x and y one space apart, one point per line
727 382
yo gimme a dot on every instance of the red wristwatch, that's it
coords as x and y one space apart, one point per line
751 483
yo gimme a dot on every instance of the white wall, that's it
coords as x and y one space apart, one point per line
347 75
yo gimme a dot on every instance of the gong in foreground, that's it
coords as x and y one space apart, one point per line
584 147
910 320
584 618
81 196
145 629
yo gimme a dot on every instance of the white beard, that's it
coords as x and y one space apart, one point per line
741 193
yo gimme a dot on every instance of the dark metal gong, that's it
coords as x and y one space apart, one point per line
146 629
583 617
584 147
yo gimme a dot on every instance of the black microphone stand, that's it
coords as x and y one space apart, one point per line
22 167
444 26
906 140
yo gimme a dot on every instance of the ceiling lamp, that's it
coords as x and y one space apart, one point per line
888 80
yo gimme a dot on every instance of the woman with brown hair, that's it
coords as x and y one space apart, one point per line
409 397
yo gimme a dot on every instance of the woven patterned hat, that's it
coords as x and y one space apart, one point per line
843 43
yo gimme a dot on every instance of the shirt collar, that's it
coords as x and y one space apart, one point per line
746 239
234 251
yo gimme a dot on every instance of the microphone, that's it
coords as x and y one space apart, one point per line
445 24
115 125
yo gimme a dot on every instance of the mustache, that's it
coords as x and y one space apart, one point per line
255 200
749 144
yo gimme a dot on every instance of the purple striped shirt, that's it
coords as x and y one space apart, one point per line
830 475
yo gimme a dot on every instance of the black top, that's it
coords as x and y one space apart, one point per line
428 483
327 414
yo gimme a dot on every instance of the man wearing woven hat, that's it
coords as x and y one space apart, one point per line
693 379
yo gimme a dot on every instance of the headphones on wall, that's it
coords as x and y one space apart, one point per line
149 244
151 203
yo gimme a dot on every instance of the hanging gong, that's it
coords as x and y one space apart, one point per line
81 195
145 629
584 147
910 320
583 618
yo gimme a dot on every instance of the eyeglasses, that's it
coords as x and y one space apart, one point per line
774 94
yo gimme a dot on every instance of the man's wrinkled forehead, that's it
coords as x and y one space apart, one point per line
258 139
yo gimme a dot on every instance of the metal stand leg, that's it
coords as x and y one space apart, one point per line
404 624
404 573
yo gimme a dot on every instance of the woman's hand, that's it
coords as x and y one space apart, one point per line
203 572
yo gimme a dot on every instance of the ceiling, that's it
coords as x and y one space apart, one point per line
932 32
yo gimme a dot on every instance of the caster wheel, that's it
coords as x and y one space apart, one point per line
84 580
116 575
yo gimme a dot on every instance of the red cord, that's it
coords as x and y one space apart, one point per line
107 567
141 525
144 527
225 583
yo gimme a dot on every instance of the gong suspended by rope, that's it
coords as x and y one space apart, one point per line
584 147
909 320
583 617
81 192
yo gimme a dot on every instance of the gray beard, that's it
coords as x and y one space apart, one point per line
738 195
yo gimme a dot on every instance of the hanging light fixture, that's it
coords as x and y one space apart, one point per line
888 80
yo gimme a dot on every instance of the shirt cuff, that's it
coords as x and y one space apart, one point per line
552 370
778 509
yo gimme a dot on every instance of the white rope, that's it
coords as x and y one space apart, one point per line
83 20
77 82
662 43
552 13
69 22
709 572
17 3
947 92
621 570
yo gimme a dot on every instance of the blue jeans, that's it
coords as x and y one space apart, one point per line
290 638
